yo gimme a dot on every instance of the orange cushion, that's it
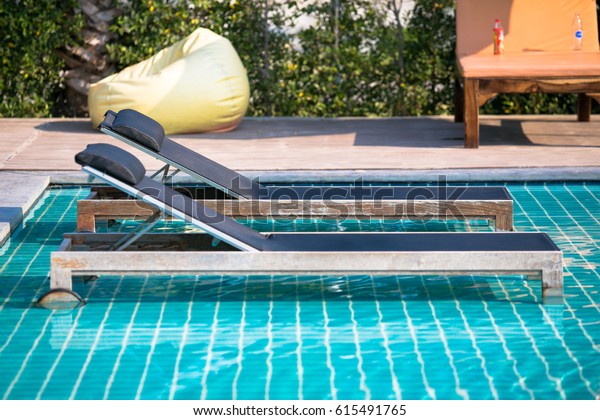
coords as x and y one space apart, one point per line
531 65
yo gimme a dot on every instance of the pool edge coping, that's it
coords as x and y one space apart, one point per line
550 174
19 192
14 207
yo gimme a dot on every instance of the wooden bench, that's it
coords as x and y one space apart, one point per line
538 56
106 203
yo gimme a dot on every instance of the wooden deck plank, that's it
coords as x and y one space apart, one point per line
332 144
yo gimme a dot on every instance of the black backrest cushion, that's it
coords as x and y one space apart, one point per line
139 128
112 161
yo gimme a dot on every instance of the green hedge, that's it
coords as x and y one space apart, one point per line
345 64
31 84
352 61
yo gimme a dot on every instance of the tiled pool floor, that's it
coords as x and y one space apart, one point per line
315 337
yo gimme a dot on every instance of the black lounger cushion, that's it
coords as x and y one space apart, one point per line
112 161
139 128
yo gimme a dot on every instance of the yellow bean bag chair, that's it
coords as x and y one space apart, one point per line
198 84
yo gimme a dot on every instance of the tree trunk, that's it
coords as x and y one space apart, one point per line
396 9
88 63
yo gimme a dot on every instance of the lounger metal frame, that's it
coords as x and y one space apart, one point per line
167 161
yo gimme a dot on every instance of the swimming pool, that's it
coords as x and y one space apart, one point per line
411 337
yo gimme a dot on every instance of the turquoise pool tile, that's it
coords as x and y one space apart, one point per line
190 337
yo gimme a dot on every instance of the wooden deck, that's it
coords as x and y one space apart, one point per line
312 144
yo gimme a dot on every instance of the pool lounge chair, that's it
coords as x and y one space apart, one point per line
147 135
241 250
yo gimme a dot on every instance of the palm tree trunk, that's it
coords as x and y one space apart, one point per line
88 63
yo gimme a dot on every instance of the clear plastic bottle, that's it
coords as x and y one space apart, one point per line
577 32
498 38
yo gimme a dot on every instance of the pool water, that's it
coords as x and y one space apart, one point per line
316 337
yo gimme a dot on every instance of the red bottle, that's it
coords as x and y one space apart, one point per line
498 38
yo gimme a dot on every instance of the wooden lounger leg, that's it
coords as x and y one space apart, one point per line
60 269
60 277
86 217
471 115
504 221
459 102
86 222
61 294
552 286
584 107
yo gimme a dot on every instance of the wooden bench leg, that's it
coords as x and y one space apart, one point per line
584 107
459 102
471 114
